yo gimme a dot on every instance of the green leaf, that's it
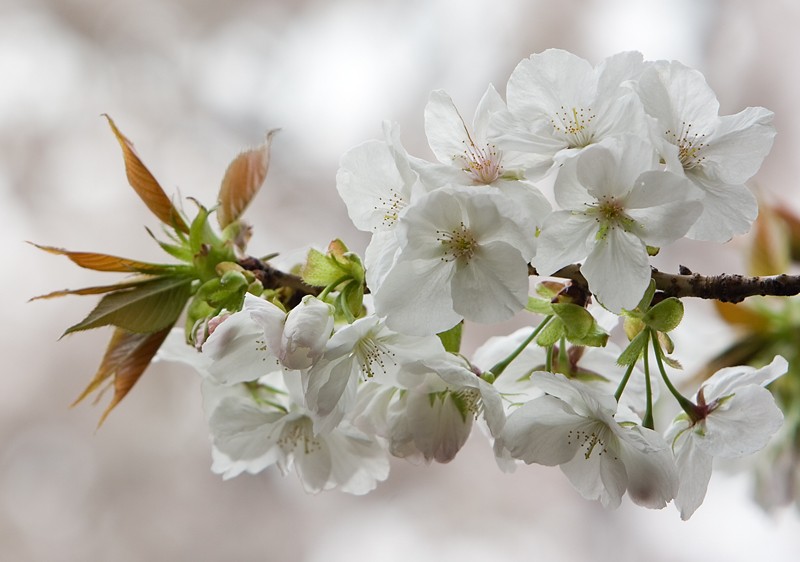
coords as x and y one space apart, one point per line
451 339
147 307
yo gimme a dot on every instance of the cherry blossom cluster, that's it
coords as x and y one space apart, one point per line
635 157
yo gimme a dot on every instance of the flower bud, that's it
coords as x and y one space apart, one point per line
306 331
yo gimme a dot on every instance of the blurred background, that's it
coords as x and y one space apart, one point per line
192 82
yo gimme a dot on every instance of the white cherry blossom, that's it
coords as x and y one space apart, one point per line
558 104
363 351
467 156
717 153
615 205
573 426
736 416
258 427
464 254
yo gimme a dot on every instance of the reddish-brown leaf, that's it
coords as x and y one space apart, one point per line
243 178
97 290
104 262
127 356
145 185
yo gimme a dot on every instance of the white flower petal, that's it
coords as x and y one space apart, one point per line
742 424
728 210
618 270
541 432
238 350
493 286
566 238
447 133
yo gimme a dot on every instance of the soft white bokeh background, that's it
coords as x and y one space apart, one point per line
192 82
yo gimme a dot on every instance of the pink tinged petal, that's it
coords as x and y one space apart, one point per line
739 144
566 238
492 286
694 472
448 135
742 424
238 351
725 381
598 474
543 431
652 476
618 270
416 297
728 210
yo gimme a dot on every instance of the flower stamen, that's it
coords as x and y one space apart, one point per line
459 243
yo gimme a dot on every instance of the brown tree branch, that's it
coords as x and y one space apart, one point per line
724 288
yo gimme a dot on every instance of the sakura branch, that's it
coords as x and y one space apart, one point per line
327 368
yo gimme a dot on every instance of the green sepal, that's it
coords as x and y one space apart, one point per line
547 289
539 306
322 270
653 251
451 339
551 333
596 337
665 316
647 298
147 307
319 270
666 342
632 326
577 320
631 354
208 250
